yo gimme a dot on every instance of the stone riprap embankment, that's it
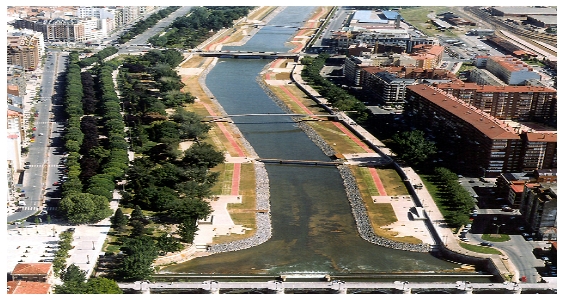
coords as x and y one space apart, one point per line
263 220
362 218
352 190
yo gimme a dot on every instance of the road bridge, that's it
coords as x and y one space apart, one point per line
338 286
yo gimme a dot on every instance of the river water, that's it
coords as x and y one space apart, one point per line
314 231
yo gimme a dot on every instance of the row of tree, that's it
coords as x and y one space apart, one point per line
98 57
171 184
189 31
96 158
411 145
142 25
454 201
338 97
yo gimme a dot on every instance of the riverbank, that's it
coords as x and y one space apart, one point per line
222 233
194 71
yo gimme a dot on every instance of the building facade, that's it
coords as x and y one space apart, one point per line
25 48
511 70
539 210
520 103
491 146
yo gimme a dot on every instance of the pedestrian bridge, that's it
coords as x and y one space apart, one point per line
219 118
338 286
300 162
248 55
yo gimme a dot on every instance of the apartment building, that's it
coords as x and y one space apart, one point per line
539 150
386 87
484 77
427 56
25 48
490 146
388 84
520 103
511 70
65 30
539 210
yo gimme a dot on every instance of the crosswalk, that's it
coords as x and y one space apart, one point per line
28 208
49 122
51 166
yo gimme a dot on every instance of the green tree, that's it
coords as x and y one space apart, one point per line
139 252
413 147
102 285
73 279
119 220
81 208
167 243
187 229
137 214
202 155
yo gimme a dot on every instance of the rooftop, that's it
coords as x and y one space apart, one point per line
28 287
486 124
32 268
526 10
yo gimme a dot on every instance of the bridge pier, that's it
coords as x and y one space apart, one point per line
145 289
276 286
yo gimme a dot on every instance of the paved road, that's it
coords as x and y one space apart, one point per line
42 172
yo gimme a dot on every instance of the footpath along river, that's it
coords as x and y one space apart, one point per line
313 229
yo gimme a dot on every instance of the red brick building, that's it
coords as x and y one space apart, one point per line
37 272
491 146
28 287
520 103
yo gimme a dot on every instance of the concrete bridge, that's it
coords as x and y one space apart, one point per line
337 286
248 55
300 162
313 116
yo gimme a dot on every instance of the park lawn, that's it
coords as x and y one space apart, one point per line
393 184
417 16
480 249
367 186
380 214
243 213
496 237
334 137
223 185
299 95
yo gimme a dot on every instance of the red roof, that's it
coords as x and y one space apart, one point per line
518 188
485 123
28 287
33 268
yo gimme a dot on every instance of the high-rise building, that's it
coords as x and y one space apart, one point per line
519 103
489 143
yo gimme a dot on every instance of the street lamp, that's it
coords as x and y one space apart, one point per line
498 226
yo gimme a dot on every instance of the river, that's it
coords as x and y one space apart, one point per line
314 231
